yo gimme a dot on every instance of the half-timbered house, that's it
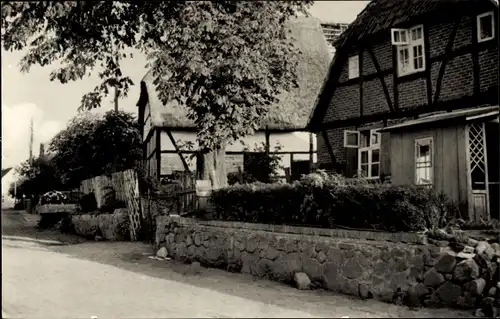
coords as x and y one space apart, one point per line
412 94
166 129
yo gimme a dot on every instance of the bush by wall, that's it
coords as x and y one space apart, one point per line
320 200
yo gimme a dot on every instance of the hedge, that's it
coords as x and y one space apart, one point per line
319 201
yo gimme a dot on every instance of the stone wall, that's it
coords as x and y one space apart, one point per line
113 227
414 272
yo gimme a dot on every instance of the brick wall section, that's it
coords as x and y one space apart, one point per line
412 93
488 66
336 138
374 99
458 80
344 104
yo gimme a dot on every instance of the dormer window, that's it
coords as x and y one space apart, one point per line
410 49
485 27
354 67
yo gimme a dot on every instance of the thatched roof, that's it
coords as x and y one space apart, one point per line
5 171
380 15
292 112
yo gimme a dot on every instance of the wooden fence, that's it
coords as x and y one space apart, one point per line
126 187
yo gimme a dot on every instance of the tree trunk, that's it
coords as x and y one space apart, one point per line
213 167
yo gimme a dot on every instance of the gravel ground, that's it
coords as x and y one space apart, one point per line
118 280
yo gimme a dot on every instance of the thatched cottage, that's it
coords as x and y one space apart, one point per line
165 128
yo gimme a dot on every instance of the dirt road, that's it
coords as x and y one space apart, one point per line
117 280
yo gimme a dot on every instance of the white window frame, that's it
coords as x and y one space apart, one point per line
424 141
354 67
346 133
410 45
401 32
369 150
478 22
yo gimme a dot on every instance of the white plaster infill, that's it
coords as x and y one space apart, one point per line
402 237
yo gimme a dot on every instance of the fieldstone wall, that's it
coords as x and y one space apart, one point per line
113 227
415 273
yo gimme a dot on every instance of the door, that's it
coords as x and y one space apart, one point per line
478 172
493 160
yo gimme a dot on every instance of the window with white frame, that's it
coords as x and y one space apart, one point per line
368 144
485 27
354 67
424 163
369 154
410 49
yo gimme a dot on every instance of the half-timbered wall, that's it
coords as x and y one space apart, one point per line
457 66
293 144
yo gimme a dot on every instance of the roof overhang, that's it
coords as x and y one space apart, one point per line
483 113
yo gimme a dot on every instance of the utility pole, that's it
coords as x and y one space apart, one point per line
116 98
31 141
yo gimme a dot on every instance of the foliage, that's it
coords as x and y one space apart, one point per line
226 60
53 197
320 200
92 146
36 177
259 166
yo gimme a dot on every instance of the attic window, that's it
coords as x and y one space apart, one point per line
485 27
410 49
354 67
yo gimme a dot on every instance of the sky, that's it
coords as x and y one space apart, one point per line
52 105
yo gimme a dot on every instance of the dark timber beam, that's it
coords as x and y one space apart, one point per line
428 67
488 97
158 153
447 52
329 148
395 78
475 56
178 151
382 81
361 59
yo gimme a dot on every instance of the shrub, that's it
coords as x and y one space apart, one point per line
53 197
322 200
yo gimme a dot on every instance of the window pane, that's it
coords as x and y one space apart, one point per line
403 36
364 170
365 138
413 35
375 170
375 139
364 157
352 139
375 155
397 36
423 176
486 25
424 153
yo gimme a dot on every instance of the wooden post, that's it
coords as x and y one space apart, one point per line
311 152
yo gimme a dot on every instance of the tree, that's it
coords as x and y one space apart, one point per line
226 61
36 177
92 145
